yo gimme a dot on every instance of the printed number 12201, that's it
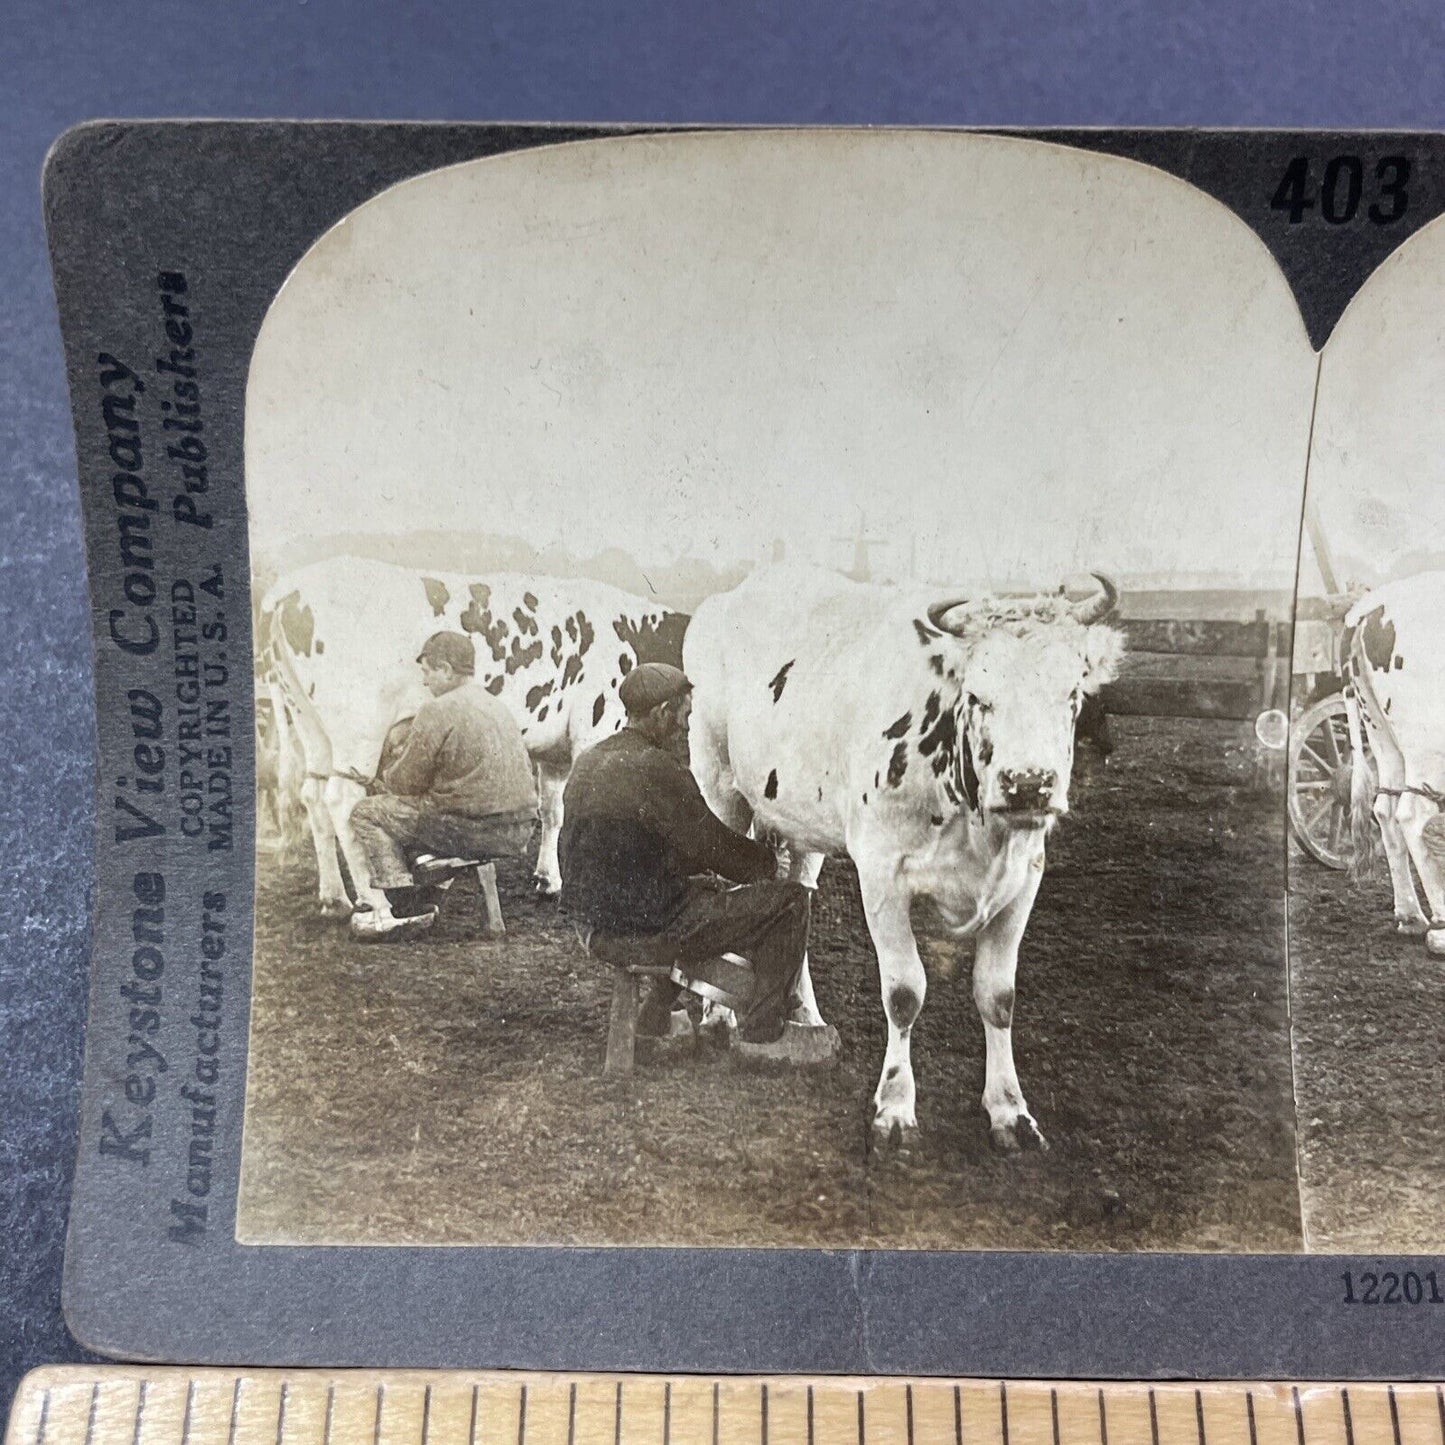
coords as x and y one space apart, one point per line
1388 1288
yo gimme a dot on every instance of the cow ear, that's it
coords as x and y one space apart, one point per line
1103 654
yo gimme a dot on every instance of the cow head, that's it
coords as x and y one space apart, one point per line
1027 666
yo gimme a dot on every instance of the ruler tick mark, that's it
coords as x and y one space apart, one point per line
1349 1423
472 1430
235 1410
380 1401
667 1413
186 1417
425 1416
1153 1418
958 1415
1440 1405
810 1417
140 1412
1054 1413
862 1421
908 1410
1299 1415
522 1416
1002 1409
330 1414
1249 1410
763 1421
1394 1414
90 1419
280 1414
571 1413
617 1417
714 1412
1103 1421
1198 1415
45 1415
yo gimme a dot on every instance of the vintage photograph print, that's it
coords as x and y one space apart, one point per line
719 750
1367 776
771 653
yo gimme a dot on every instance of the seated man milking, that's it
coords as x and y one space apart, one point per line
460 785
636 830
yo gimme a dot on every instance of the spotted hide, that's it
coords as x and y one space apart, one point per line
930 740
1394 664
341 640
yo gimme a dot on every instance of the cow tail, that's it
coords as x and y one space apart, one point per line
1364 831
290 768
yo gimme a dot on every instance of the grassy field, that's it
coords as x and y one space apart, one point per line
449 1091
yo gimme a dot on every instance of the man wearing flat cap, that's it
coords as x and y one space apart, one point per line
636 831
460 785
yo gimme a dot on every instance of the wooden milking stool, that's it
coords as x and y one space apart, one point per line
726 981
437 870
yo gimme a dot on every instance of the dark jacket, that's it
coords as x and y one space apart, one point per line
635 828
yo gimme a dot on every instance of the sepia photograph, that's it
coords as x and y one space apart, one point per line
1367 773
773 655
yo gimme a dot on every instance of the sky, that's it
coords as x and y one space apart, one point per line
1004 361
1377 467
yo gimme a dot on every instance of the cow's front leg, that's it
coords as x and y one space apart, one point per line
1011 1126
903 984
547 875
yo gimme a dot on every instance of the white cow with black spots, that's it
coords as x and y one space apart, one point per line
1394 664
339 641
928 738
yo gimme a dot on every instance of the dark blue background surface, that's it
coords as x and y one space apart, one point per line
1090 62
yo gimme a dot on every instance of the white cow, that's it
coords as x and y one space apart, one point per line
931 740
339 641
1394 662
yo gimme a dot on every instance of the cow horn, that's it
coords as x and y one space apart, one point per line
939 610
1101 604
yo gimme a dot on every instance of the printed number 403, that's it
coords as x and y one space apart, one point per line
1341 190
1388 1288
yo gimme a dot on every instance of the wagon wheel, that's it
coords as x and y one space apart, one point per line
1320 763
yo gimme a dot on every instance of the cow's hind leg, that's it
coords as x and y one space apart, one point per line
903 984
335 902
708 757
712 767
342 795
312 760
1390 810
1416 814
547 875
995 964
804 868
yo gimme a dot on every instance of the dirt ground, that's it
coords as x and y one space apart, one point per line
450 1090
1369 1008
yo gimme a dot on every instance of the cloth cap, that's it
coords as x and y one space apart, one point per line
450 647
651 684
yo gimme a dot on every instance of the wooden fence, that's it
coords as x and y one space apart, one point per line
1203 669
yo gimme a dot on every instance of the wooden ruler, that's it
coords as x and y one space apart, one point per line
128 1405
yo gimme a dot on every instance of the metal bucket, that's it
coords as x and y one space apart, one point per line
726 980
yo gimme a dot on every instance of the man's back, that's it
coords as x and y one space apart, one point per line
465 755
635 828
